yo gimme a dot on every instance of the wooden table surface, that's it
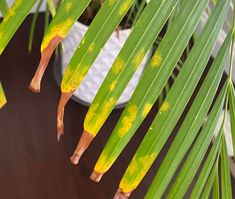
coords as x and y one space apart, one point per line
32 164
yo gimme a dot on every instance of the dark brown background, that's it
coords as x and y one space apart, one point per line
32 164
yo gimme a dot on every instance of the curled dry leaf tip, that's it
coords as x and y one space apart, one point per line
121 195
83 143
96 177
46 54
60 113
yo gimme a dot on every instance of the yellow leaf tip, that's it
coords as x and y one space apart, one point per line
2 103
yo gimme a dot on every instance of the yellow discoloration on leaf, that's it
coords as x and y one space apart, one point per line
10 14
82 42
138 58
108 104
57 30
91 112
17 3
156 60
103 163
165 106
75 78
68 6
146 110
139 166
111 2
124 7
1 48
90 115
118 65
12 11
112 85
128 120
94 128
3 100
91 47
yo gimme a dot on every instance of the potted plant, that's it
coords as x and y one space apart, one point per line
196 133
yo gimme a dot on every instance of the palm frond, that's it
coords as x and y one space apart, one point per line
152 81
210 181
195 158
192 123
175 102
67 14
140 40
101 28
13 19
210 164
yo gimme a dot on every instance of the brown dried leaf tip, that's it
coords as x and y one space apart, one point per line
83 143
46 54
96 177
121 195
60 113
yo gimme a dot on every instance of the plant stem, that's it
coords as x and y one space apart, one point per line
33 25
51 7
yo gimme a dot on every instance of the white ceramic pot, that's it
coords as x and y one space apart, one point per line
94 78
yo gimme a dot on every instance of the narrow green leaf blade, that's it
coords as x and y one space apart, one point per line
103 25
3 7
226 188
33 25
210 163
66 15
191 165
154 78
101 28
232 113
3 100
176 100
211 180
216 191
138 43
13 19
192 123
51 7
